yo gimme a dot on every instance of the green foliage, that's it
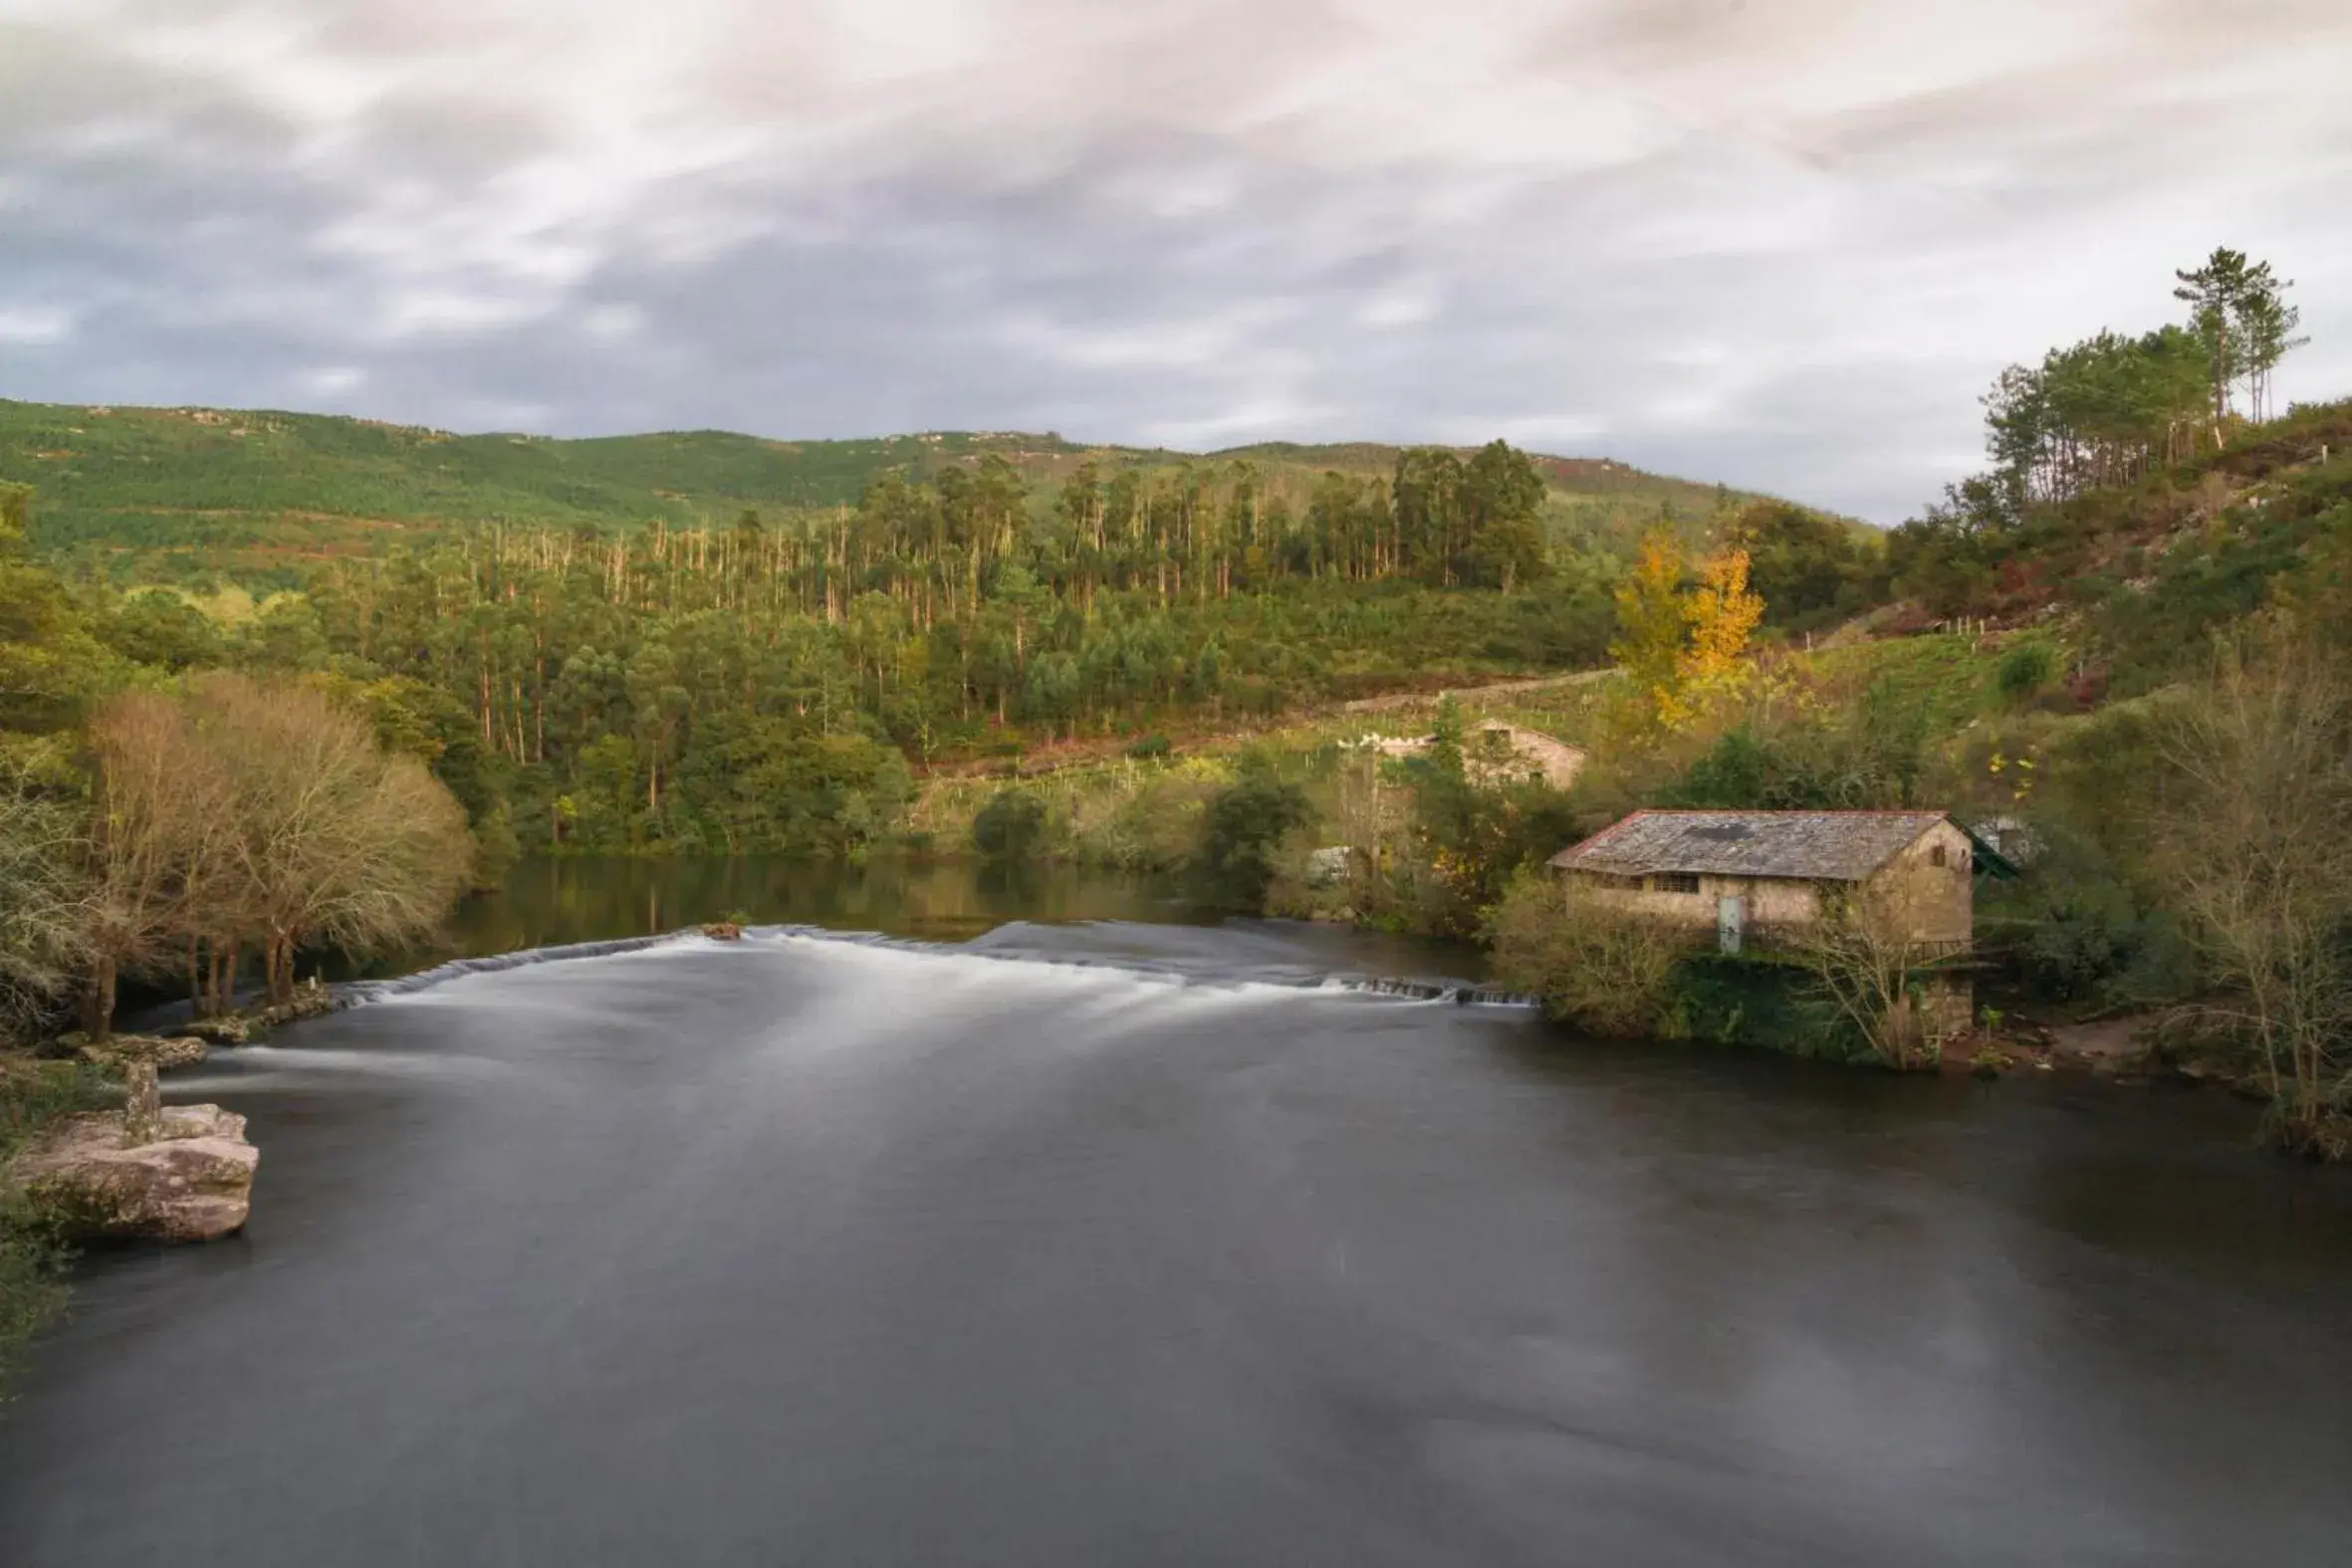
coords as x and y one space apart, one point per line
2278 547
496 847
2025 667
1477 819
1732 1000
2101 413
1012 826
51 667
609 667
32 1260
2075 928
32 1280
249 490
1870 756
158 628
1244 825
1809 570
2102 452
1600 970
1148 748
730 692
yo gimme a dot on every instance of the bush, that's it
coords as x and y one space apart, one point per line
1601 969
32 1280
1010 827
1149 747
2027 666
1157 827
1245 823
32 1261
1753 1001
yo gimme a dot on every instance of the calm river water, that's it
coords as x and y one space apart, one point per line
1137 1240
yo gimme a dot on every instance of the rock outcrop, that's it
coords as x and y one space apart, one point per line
2115 1047
310 999
230 1028
193 1182
158 1052
723 931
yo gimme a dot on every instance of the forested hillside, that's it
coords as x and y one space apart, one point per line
2145 493
184 492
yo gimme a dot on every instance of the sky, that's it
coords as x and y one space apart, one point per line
1781 244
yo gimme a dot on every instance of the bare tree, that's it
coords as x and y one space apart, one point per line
1867 960
2254 829
336 839
42 900
157 840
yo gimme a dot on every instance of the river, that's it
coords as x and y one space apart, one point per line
1133 1239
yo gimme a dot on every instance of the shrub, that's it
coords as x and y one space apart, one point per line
1755 1002
2027 666
1149 747
1245 823
1602 970
1157 827
32 1261
1009 826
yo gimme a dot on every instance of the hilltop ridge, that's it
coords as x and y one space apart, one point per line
252 488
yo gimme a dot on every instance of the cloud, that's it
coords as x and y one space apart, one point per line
35 324
1782 242
330 380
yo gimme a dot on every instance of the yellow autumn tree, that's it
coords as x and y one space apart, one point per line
1652 620
1723 614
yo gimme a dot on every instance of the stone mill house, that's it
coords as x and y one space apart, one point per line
1493 751
1765 879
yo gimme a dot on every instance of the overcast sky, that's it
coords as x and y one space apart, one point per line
1780 243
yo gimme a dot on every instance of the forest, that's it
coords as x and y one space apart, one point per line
765 686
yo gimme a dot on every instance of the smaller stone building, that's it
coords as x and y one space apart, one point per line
1492 750
1767 877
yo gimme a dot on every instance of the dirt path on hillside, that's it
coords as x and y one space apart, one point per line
1536 683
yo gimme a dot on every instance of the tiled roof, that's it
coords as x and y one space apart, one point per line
1840 847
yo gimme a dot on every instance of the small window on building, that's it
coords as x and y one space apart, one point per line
1938 856
1675 882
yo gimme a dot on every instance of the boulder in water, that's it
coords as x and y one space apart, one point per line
723 931
191 1182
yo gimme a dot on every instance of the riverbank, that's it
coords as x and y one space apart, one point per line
35 1095
66 1106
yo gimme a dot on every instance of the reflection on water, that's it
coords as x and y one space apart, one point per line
558 902
554 901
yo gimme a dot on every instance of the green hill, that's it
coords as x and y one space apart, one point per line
262 489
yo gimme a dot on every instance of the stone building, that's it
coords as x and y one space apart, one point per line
1769 878
1492 751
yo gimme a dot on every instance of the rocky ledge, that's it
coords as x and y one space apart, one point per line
178 1174
162 1054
